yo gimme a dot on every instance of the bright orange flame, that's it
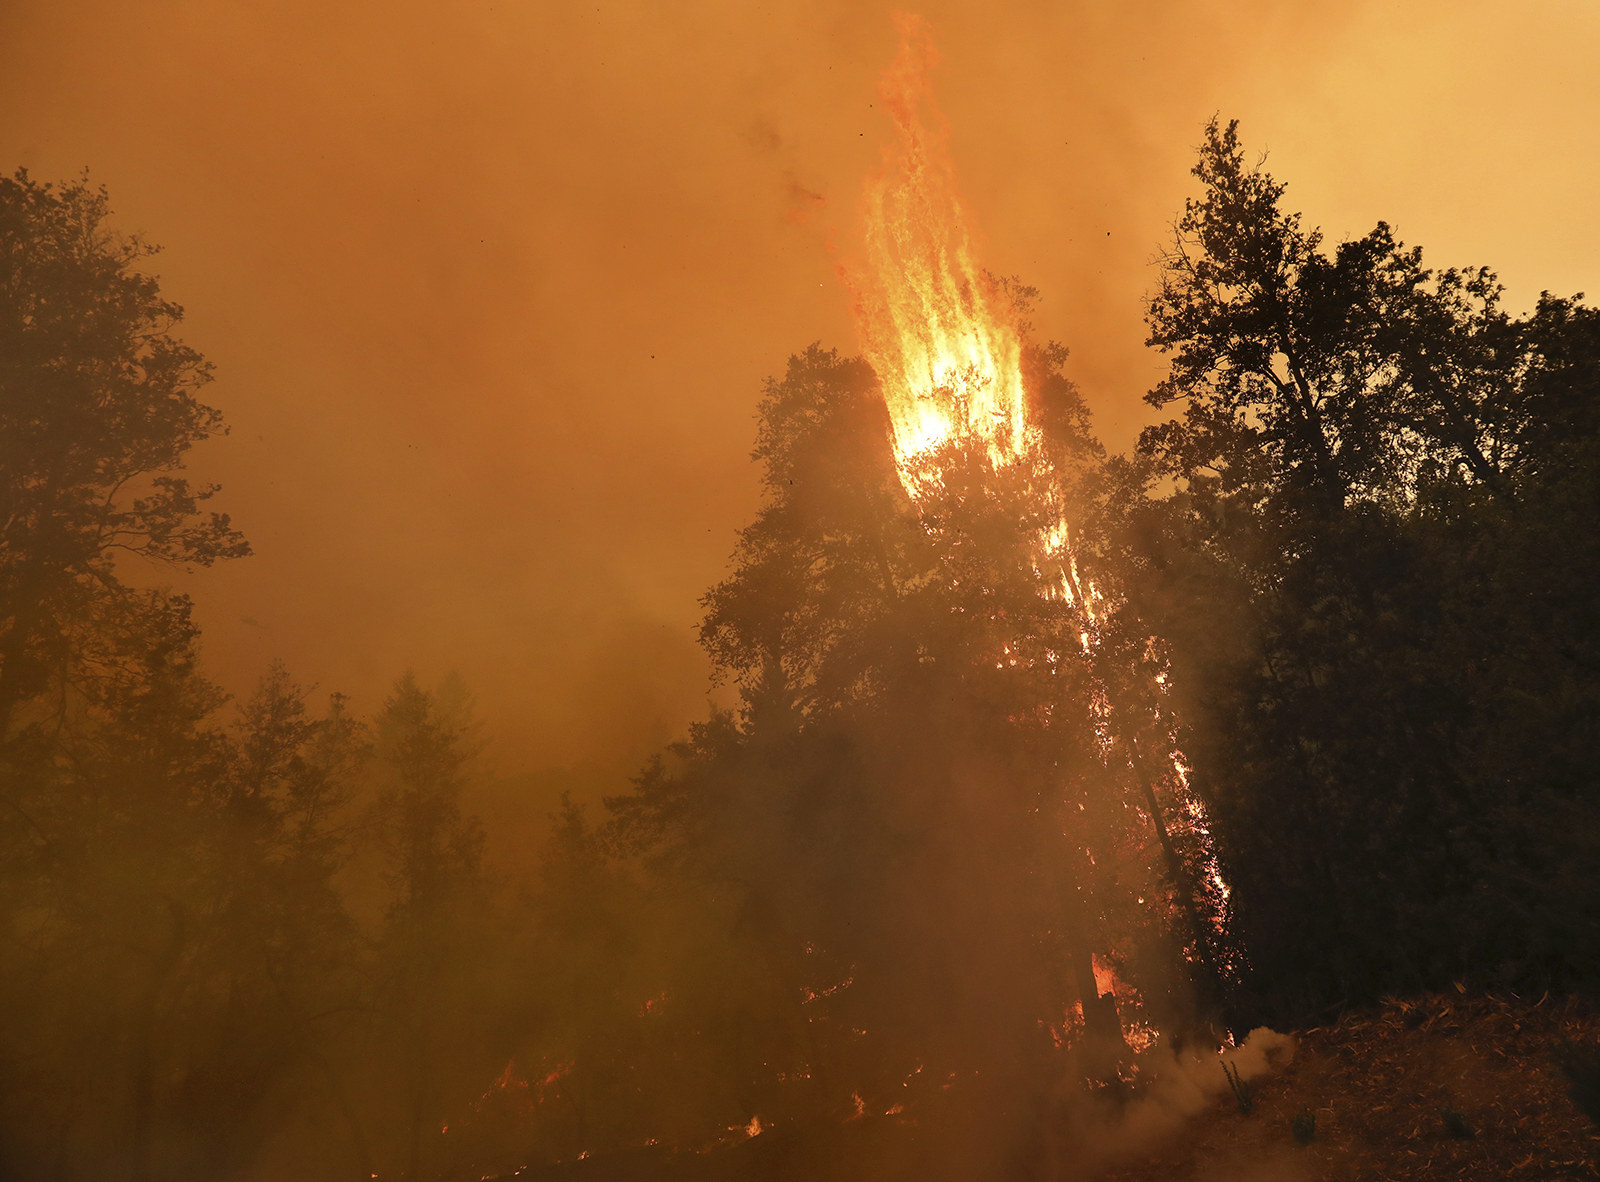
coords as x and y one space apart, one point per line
940 334
946 350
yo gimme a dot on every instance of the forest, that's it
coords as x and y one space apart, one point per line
948 859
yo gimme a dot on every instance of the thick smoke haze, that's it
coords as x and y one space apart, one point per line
491 289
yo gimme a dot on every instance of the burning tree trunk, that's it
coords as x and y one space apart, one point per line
923 774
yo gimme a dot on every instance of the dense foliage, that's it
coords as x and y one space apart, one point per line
1370 542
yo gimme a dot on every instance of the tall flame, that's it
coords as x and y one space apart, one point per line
940 333
946 350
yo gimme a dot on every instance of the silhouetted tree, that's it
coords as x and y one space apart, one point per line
97 408
1373 463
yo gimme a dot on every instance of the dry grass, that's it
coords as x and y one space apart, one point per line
1387 1085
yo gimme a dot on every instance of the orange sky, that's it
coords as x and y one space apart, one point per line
491 288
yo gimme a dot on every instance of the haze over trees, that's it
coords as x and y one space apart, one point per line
916 869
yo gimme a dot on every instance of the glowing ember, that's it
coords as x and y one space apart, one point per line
1104 979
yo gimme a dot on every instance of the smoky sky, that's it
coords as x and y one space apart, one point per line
491 290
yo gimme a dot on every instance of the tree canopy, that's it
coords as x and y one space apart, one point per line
98 405
1376 487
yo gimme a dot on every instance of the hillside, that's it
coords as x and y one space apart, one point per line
1448 1087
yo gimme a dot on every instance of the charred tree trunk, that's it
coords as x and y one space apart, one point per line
1103 1044
1206 981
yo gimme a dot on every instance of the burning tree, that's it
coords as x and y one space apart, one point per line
950 829
976 425
978 420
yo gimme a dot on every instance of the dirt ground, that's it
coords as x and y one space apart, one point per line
1448 1087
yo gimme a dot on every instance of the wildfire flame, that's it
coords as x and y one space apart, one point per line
947 352
940 333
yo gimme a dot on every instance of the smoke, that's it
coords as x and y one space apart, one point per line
1186 1083
491 292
